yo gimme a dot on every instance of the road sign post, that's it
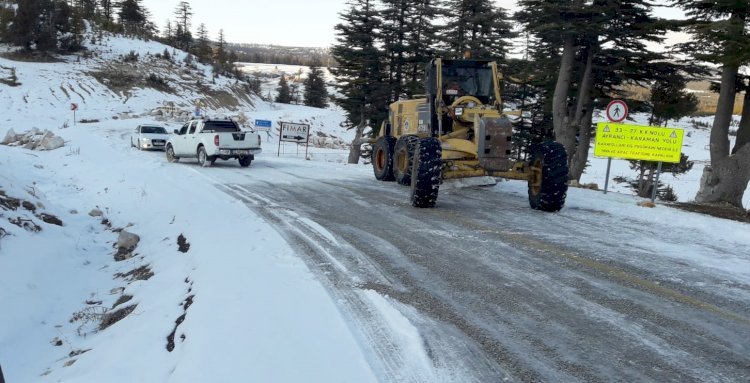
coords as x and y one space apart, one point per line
617 111
638 142
294 132
264 126
74 107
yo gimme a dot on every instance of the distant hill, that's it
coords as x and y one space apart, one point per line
275 54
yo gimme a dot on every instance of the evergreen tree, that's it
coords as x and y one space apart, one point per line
169 33
720 36
284 94
184 14
86 8
670 101
396 16
132 17
202 44
107 7
477 27
220 55
315 94
39 23
421 42
598 54
360 73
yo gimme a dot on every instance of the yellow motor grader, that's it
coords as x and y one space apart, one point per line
458 130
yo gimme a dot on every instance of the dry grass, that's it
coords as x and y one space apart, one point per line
707 100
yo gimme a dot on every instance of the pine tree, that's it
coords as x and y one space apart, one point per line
220 55
132 17
670 101
360 73
720 37
107 7
202 44
396 16
284 94
421 44
477 27
315 94
598 54
168 33
184 14
39 23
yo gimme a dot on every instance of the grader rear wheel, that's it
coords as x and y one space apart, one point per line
403 157
382 158
548 181
426 172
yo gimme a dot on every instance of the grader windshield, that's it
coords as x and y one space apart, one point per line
468 81
457 78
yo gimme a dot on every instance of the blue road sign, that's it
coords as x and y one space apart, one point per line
262 123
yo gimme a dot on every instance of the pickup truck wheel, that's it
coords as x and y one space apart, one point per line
170 154
245 161
203 157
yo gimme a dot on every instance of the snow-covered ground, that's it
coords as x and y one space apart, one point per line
240 304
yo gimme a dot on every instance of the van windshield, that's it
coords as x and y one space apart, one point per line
153 130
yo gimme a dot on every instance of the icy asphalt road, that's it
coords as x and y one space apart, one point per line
499 292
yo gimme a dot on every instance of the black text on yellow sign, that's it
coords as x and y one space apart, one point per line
637 142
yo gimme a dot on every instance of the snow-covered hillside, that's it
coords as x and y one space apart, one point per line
78 308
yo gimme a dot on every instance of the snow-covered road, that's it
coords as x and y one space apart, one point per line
602 291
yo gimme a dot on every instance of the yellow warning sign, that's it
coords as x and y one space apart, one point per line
637 142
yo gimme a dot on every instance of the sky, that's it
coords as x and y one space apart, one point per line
289 23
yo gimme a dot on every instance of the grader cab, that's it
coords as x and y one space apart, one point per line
457 131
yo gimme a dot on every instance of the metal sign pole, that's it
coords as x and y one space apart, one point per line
278 151
656 184
606 181
307 143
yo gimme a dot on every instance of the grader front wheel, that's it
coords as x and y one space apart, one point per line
548 179
426 172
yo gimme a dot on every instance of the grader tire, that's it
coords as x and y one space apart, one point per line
382 158
403 158
426 173
548 183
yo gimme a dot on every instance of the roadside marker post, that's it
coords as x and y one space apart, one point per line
74 107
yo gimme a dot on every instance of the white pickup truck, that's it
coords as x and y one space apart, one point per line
212 138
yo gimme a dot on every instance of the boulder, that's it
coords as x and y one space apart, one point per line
96 213
10 137
127 241
50 141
